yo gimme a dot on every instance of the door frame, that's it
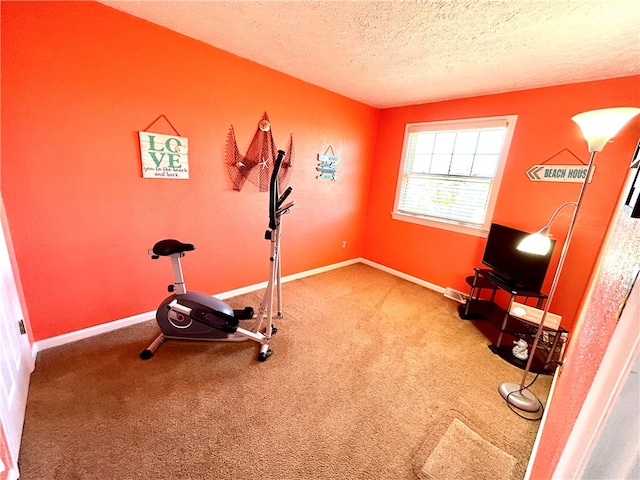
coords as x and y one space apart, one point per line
618 360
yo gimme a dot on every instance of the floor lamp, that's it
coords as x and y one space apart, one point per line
598 127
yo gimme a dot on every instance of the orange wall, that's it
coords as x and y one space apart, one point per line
79 80
544 128
590 339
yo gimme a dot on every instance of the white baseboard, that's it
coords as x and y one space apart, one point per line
92 331
431 286
288 278
143 317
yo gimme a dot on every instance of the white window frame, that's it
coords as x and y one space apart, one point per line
508 121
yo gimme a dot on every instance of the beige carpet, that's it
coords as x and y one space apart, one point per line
368 374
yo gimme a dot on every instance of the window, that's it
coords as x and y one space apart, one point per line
450 172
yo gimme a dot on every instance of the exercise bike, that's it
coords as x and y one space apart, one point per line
197 316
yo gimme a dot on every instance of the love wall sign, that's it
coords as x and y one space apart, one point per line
164 156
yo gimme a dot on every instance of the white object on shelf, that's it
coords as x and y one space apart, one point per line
534 315
520 349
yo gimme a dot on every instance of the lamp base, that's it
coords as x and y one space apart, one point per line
519 397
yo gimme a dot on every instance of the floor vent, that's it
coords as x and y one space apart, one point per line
455 295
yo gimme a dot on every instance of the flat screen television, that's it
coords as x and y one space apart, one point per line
520 270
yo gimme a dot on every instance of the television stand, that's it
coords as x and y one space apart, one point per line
490 318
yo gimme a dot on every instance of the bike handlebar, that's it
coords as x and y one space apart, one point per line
283 197
274 194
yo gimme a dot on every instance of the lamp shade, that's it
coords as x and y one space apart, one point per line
537 243
599 126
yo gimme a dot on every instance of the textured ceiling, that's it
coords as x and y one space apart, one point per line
396 53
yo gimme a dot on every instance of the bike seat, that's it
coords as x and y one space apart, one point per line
167 247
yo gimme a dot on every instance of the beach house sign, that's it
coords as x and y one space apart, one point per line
164 156
562 172
558 173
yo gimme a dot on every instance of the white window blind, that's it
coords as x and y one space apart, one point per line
450 170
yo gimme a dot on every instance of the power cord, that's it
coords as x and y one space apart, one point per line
526 387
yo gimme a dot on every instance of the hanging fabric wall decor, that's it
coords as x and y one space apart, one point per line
257 164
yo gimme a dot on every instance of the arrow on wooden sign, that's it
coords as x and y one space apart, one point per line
558 173
533 172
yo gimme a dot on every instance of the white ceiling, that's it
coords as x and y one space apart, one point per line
396 53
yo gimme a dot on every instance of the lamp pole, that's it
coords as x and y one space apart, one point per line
598 127
556 277
517 394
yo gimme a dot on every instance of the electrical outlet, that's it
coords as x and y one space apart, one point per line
344 244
